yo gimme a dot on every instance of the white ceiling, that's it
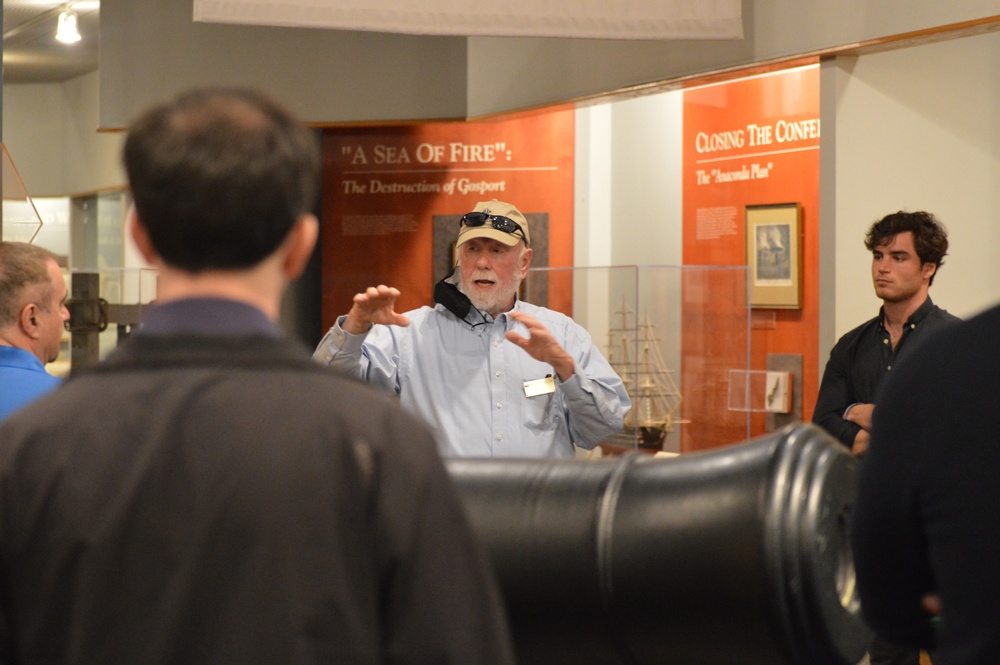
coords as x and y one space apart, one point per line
31 53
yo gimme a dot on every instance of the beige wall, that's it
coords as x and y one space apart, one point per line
33 132
540 71
917 129
50 130
150 48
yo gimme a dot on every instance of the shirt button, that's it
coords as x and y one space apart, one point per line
885 341
499 437
889 368
912 326
497 373
499 405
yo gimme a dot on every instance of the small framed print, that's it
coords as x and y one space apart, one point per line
774 255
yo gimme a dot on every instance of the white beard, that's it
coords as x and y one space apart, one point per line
498 300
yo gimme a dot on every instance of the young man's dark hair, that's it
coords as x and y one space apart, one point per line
256 168
930 238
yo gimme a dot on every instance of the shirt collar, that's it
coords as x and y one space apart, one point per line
502 317
12 356
915 318
207 316
477 317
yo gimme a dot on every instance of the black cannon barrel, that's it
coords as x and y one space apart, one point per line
735 555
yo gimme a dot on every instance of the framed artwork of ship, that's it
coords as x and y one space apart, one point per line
774 255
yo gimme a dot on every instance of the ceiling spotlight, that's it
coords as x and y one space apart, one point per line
67 31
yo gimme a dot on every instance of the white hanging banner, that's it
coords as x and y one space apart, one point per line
598 19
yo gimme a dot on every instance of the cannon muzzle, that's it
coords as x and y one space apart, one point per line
735 555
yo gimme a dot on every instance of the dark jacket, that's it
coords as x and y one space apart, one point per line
225 500
925 519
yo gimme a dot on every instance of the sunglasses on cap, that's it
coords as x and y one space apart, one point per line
499 222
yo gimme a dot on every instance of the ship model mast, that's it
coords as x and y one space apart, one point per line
635 354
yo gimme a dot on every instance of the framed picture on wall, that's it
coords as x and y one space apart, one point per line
774 255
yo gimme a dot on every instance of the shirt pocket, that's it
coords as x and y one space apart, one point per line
544 413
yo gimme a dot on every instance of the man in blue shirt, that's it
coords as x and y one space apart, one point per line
495 376
32 314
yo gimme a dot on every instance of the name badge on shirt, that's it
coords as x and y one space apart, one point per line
540 386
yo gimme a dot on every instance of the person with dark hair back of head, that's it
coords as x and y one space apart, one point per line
197 497
32 316
908 248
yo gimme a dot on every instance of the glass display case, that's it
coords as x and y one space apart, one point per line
675 334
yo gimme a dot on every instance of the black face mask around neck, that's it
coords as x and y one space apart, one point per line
446 293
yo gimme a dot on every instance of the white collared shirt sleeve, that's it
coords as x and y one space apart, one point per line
373 362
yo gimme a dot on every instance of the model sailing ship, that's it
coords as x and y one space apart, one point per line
635 355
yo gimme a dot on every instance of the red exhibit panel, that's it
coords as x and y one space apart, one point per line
754 142
393 197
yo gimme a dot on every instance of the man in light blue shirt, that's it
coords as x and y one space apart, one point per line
495 376
32 314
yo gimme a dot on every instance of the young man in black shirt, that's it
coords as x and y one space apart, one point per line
907 250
